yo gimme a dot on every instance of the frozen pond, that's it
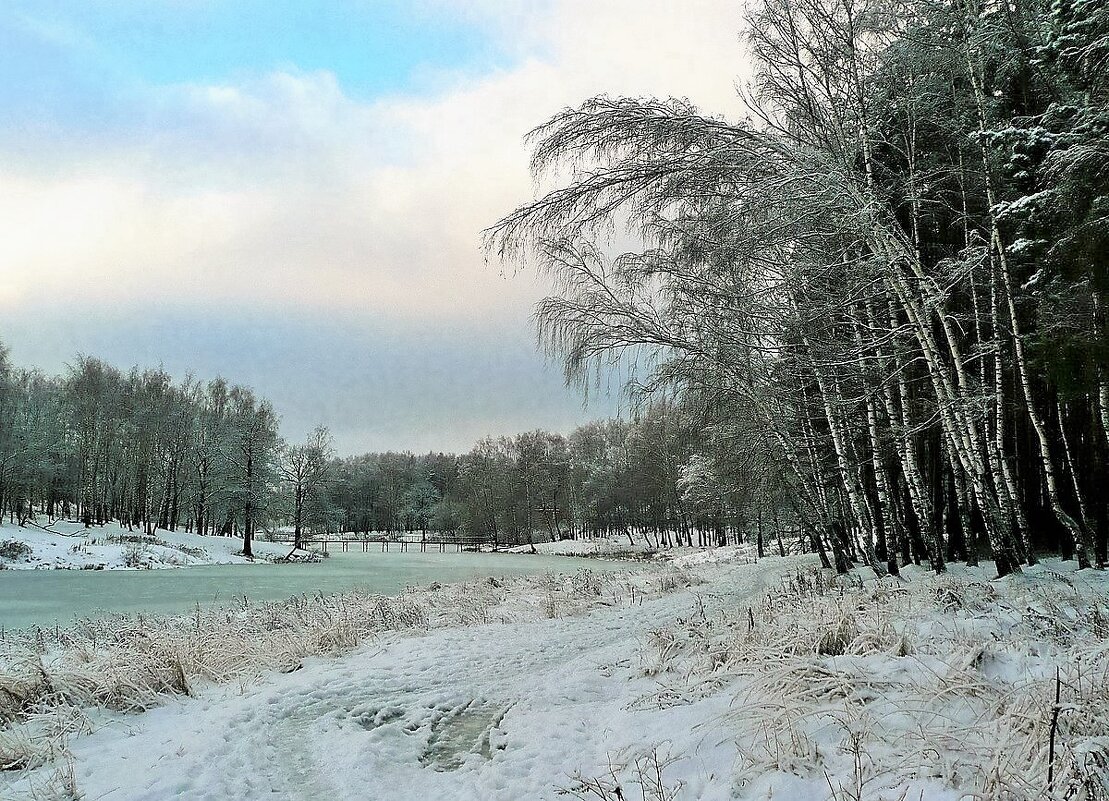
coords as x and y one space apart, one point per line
50 597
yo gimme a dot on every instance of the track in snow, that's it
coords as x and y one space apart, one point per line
504 711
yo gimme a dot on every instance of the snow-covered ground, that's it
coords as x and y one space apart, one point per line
754 681
637 547
69 545
607 547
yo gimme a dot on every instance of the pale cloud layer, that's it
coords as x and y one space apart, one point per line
283 192
282 189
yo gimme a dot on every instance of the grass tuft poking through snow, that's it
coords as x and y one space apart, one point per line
931 688
726 680
129 664
644 772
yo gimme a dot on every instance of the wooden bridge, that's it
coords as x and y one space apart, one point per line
402 544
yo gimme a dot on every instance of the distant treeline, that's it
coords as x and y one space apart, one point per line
99 444
648 477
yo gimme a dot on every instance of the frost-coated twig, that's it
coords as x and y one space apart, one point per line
1054 728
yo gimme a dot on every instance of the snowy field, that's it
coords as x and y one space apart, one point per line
722 680
69 545
639 548
608 547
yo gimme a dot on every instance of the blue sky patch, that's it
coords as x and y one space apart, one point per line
75 63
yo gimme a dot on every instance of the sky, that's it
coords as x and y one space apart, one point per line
291 194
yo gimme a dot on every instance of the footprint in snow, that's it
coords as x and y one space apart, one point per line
464 730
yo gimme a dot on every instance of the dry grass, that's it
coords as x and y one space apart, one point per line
127 663
130 663
943 680
675 578
638 776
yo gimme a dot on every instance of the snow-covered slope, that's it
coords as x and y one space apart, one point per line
608 547
66 544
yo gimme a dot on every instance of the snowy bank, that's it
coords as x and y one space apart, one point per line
641 551
724 681
70 546
55 683
602 547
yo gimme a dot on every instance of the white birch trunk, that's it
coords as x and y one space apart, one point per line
1083 547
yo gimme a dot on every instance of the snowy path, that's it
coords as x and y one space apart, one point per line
506 711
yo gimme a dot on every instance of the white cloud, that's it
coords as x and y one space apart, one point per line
283 190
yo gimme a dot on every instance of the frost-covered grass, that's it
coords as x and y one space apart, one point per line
726 680
50 680
930 688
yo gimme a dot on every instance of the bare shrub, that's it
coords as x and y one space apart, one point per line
136 554
675 578
586 583
15 551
